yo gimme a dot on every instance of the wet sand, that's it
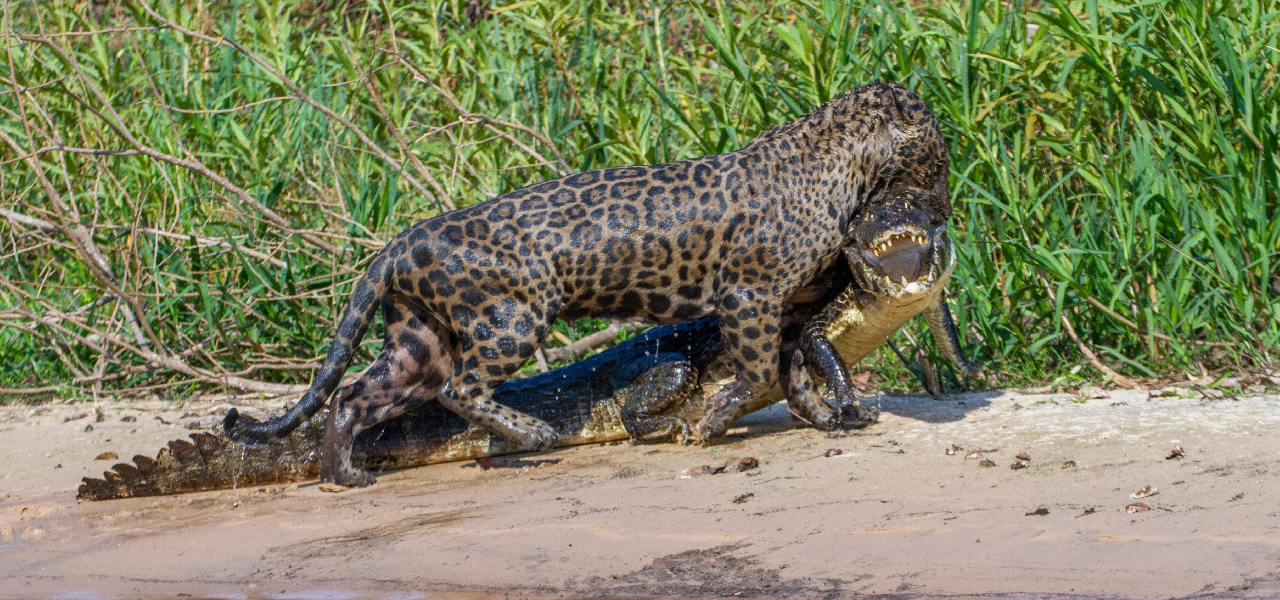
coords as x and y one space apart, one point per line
893 515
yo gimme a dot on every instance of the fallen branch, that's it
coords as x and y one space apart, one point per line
1159 336
580 347
116 125
441 195
563 168
1119 379
86 248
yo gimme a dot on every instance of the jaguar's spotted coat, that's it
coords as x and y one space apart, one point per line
468 296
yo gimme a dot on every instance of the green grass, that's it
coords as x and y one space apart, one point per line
1123 157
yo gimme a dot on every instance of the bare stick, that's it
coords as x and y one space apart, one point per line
564 167
1159 336
88 251
115 123
1120 380
391 126
441 195
586 343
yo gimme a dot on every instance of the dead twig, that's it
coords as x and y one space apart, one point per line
1159 336
115 122
1119 379
440 194
562 169
604 336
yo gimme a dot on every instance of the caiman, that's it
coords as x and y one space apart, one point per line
652 386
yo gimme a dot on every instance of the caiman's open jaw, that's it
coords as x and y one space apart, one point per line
904 261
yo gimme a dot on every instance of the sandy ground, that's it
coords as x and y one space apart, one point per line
893 515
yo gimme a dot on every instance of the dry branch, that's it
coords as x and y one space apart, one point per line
588 342
116 125
1119 379
441 195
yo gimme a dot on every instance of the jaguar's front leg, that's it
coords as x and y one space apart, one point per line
751 331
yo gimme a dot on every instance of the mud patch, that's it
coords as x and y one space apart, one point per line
379 537
714 572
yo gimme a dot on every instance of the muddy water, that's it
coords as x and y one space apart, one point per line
892 515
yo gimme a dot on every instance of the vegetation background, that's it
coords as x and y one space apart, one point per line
188 190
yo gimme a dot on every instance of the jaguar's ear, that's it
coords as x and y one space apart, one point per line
892 101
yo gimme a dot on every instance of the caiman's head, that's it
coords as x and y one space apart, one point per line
900 248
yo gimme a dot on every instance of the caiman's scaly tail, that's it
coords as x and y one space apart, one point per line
351 329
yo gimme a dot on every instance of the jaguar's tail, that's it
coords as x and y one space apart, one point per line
351 329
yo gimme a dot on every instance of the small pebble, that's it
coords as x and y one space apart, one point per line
1144 492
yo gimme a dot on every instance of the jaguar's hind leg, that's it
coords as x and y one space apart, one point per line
412 369
471 396
352 415
482 368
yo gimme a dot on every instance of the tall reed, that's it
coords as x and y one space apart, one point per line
188 190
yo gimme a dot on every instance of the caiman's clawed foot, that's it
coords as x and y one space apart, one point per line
857 416
978 372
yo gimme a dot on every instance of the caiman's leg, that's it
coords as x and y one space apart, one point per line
925 372
661 387
823 360
412 368
944 333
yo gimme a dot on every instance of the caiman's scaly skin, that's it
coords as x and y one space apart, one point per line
609 396
901 258
469 295
638 389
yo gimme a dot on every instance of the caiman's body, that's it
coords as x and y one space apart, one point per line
583 401
601 398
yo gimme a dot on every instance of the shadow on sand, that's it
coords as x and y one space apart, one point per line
921 407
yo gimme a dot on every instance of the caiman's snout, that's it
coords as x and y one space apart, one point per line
901 258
